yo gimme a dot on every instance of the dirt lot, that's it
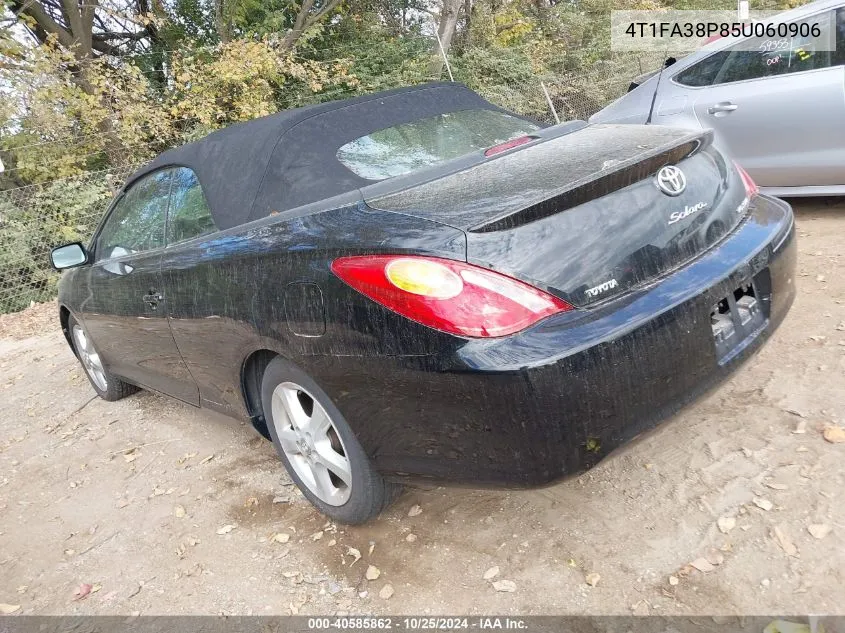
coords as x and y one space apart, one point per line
155 507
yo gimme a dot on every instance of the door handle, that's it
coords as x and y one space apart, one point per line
724 106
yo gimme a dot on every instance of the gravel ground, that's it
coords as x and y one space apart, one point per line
149 506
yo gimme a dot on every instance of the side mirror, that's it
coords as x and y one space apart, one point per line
68 256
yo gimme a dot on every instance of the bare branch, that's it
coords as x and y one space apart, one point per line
45 24
126 35
103 47
305 20
323 12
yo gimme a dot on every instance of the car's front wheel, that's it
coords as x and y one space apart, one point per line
319 449
107 386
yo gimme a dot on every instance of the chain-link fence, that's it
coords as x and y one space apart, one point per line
35 218
572 97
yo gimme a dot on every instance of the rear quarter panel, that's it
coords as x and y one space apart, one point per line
227 294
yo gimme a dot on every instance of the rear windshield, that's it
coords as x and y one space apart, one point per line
404 148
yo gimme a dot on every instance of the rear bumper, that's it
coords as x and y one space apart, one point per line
553 400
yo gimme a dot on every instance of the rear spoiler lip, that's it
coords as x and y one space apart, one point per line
600 184
374 192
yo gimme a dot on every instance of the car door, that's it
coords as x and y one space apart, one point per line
780 112
201 294
125 311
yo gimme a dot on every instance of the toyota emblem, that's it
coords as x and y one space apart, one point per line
671 180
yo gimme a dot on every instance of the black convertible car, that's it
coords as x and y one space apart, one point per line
418 284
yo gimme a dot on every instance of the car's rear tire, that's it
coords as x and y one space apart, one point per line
106 384
319 449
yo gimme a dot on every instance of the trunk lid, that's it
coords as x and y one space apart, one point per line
582 215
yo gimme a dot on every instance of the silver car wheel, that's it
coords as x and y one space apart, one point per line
90 358
311 443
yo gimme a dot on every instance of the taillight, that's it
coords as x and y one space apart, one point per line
503 147
751 187
447 295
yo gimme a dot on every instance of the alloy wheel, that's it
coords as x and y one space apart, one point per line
311 443
90 358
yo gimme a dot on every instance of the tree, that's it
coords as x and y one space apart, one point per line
310 13
86 27
292 18
446 15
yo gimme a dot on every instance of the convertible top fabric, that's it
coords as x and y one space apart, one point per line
285 160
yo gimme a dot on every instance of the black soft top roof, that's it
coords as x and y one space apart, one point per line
285 160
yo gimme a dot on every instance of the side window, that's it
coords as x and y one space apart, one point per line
704 72
761 57
136 223
839 55
189 214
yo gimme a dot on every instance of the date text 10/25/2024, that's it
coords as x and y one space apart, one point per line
417 623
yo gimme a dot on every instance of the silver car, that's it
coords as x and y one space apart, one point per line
783 120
